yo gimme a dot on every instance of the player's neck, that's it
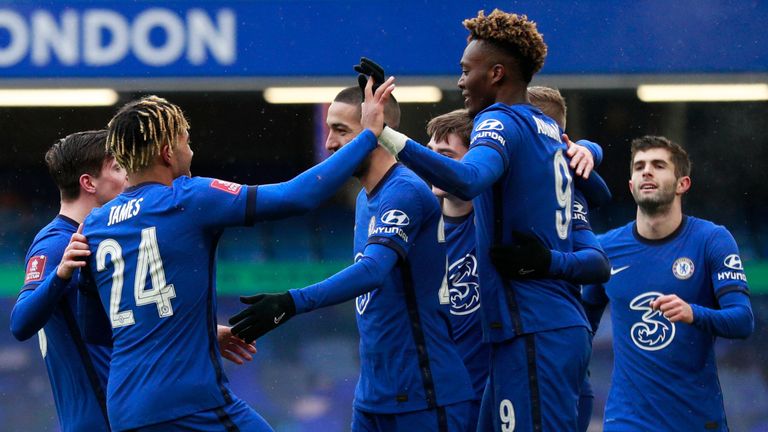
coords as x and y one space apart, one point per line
660 224
381 162
155 174
512 95
78 209
454 207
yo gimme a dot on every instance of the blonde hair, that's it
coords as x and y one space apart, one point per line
137 133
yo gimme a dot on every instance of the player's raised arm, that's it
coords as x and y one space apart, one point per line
466 179
310 188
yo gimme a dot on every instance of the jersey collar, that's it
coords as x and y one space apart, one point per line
660 241
383 180
68 220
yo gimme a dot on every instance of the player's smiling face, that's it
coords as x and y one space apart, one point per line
654 184
451 146
475 80
343 122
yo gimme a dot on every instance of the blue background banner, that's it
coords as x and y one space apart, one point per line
322 38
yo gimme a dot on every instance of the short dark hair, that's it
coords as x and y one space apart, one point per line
74 155
550 102
456 122
139 130
514 35
354 96
679 155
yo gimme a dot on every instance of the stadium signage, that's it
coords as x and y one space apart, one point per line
103 37
210 41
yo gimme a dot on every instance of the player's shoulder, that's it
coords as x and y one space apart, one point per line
616 235
706 230
183 186
407 184
703 226
53 238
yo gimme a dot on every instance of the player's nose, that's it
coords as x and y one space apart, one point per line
331 144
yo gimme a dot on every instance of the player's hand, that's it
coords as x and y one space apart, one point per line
673 308
74 255
582 161
373 107
526 258
369 68
232 347
265 313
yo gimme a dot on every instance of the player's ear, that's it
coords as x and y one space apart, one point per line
683 185
630 186
166 153
87 183
497 73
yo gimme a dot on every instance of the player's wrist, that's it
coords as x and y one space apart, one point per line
392 140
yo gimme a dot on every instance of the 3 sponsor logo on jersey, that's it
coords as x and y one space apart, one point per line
683 268
35 268
489 125
654 331
464 290
226 186
124 211
362 301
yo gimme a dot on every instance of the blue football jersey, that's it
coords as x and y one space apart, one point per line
664 375
408 360
78 371
153 263
536 196
464 290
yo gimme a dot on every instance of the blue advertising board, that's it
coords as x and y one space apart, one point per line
322 38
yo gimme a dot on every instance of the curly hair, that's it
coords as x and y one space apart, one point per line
139 130
514 34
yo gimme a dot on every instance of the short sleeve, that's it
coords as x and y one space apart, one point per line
580 214
398 218
216 203
724 262
495 129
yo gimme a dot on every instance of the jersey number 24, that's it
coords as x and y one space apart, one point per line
149 261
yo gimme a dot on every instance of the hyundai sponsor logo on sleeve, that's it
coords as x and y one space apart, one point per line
395 217
733 261
489 125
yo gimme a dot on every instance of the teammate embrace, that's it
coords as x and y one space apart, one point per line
489 334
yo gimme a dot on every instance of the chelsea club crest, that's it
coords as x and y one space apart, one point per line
683 268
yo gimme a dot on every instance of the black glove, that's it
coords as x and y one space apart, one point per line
366 68
526 258
265 313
